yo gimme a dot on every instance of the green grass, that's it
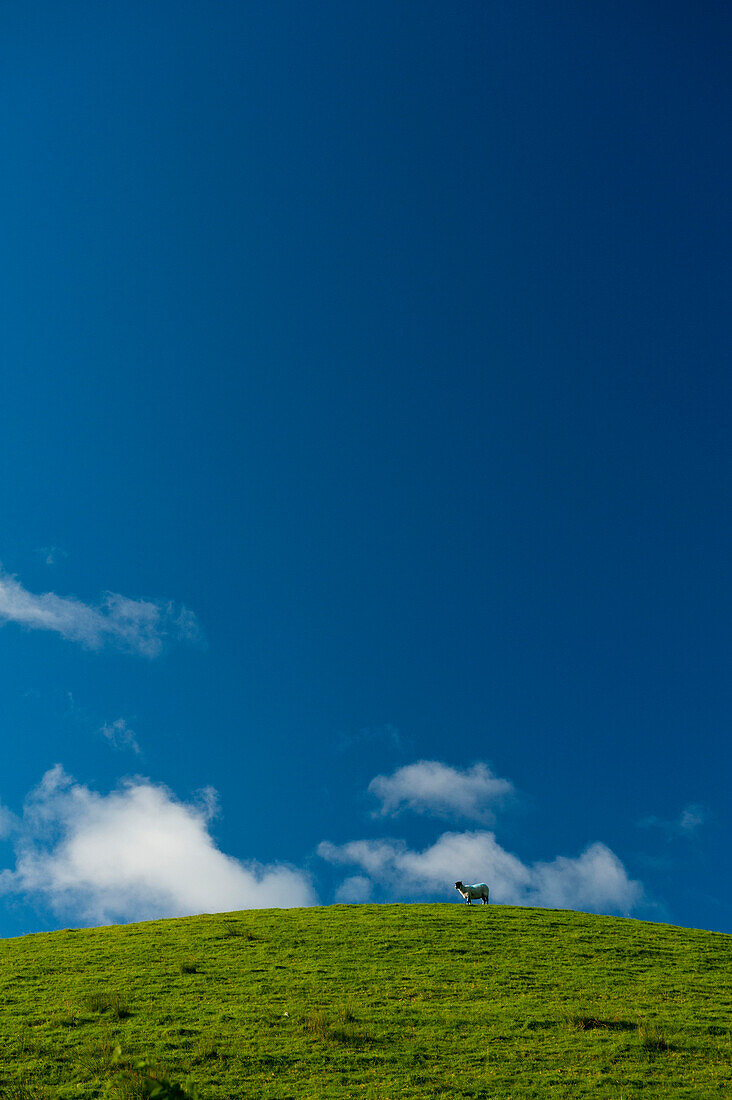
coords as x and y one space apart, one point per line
368 1001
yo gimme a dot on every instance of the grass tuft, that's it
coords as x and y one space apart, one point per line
652 1038
68 1017
206 1051
341 1030
317 1024
234 931
139 1080
103 1001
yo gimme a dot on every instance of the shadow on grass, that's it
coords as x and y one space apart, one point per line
652 1038
595 1023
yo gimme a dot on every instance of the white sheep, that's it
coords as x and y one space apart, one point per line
479 890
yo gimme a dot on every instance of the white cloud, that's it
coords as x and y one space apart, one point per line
134 854
691 818
595 881
434 788
137 626
120 736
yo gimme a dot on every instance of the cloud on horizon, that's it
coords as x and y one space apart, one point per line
140 853
135 626
385 869
136 853
430 787
595 881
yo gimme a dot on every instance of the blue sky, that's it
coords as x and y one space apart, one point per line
365 457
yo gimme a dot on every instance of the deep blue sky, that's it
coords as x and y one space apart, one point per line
392 340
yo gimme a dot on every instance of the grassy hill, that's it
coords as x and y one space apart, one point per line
369 1001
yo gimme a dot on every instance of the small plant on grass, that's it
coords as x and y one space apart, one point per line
652 1038
69 1017
102 1000
142 1081
342 1031
189 967
234 931
317 1024
207 1051
95 1060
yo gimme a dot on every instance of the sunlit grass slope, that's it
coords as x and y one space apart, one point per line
370 1001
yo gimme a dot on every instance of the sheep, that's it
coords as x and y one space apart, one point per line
479 890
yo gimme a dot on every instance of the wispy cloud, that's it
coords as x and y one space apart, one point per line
134 854
386 734
595 881
51 555
136 626
692 817
430 787
8 822
689 821
120 736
